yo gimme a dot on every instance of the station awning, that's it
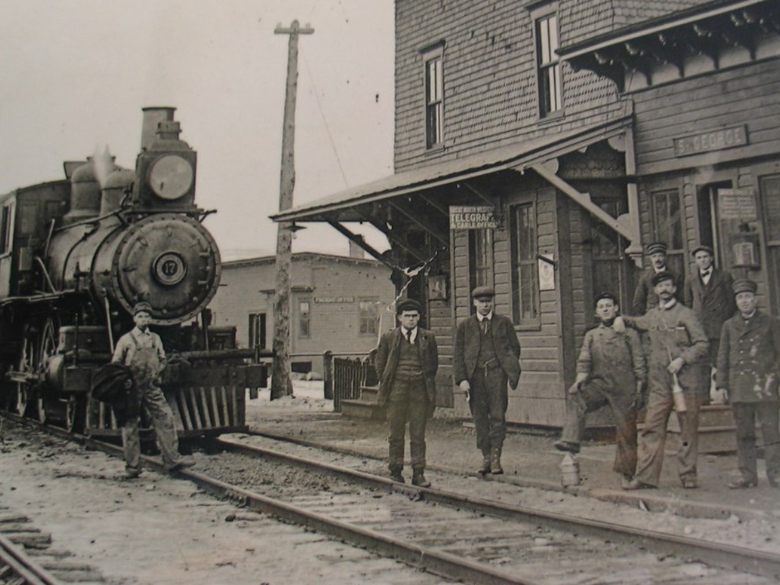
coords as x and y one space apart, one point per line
518 157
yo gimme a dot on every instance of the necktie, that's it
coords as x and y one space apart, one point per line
409 335
485 326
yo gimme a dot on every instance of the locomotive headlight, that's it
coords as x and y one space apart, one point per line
171 176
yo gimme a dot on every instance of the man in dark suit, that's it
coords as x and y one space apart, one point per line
748 370
486 357
709 294
406 362
644 295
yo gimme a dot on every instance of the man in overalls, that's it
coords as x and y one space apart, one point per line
142 352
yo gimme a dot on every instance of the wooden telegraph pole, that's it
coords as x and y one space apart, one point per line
281 384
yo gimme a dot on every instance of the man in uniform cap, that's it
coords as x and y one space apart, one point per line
676 345
611 369
142 352
486 357
709 293
748 370
644 297
406 362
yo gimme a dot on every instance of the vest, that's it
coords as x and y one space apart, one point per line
487 350
408 360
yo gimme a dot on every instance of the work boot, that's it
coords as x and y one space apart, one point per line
485 469
495 461
395 475
133 472
418 479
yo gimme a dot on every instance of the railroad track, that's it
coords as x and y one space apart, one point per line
465 538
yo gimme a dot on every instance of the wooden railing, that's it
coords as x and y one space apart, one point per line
349 375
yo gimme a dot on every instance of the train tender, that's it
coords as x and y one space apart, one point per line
77 254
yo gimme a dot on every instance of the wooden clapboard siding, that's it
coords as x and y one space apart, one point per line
742 95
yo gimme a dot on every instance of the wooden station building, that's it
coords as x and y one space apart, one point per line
539 146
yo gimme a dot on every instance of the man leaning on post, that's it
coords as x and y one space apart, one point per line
486 358
406 362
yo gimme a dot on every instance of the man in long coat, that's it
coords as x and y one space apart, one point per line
406 362
486 357
644 295
709 293
748 369
677 346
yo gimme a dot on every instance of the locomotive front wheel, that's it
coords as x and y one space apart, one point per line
75 413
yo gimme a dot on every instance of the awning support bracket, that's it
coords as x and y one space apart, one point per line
624 225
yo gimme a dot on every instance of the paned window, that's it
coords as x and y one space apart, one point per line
434 98
668 227
369 316
6 228
525 276
548 65
257 330
304 319
481 257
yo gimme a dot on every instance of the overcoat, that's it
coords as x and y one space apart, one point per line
713 302
387 361
505 342
644 295
749 358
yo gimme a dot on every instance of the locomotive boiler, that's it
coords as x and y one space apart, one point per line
77 254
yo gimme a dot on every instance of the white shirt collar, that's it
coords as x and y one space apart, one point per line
482 317
665 307
412 337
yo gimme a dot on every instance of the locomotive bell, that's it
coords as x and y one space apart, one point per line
114 190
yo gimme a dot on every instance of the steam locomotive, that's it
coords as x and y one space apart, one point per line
77 254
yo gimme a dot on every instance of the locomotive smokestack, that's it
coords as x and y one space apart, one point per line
153 117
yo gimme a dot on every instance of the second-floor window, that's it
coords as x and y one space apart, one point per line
369 316
548 65
304 319
434 98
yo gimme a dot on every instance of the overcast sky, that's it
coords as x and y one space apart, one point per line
74 75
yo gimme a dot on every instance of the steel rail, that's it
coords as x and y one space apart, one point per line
439 563
23 566
720 555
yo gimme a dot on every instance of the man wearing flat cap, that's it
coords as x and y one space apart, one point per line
611 370
709 293
142 352
677 346
406 362
748 370
644 295
486 358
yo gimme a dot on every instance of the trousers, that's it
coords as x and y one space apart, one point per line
745 414
407 404
592 396
488 402
153 401
652 439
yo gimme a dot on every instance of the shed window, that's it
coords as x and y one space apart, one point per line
257 330
369 316
6 228
434 98
548 65
525 276
304 319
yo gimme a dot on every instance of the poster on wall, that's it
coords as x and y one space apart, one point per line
546 265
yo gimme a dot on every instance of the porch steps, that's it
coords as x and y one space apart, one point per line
366 406
717 433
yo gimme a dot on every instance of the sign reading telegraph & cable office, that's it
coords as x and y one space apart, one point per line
473 217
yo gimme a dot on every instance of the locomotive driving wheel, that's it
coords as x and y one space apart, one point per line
50 407
24 390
